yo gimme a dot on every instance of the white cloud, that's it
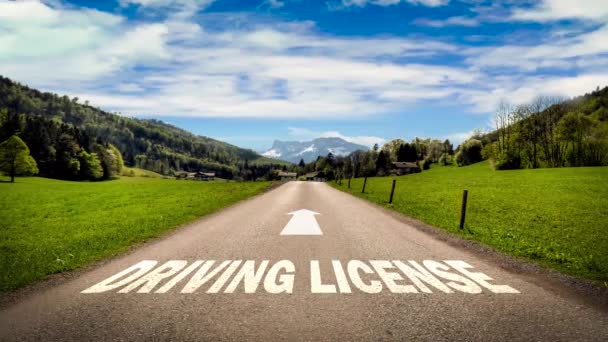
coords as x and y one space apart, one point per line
555 53
271 4
451 21
276 70
304 134
362 3
176 9
518 91
458 137
549 10
49 45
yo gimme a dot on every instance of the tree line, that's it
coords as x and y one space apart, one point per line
60 131
378 161
33 145
549 132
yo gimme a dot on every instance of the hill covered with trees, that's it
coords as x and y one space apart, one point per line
60 132
548 132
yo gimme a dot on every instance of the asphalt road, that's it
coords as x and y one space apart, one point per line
351 230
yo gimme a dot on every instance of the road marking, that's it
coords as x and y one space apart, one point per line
303 222
373 276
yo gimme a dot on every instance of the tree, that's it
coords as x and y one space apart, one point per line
112 163
381 164
391 148
469 152
301 164
67 165
119 162
445 159
574 128
15 158
448 148
90 166
407 153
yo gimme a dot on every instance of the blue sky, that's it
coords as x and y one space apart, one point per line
249 72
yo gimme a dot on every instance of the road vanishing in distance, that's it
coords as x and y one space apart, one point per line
255 272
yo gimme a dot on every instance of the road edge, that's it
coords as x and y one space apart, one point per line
10 298
585 291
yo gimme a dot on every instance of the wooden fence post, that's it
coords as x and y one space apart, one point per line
392 191
364 182
349 182
463 210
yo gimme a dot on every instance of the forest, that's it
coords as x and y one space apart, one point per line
549 132
63 134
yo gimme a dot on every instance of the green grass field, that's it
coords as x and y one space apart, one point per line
137 172
555 217
48 226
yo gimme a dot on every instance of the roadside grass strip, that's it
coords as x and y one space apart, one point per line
555 217
49 226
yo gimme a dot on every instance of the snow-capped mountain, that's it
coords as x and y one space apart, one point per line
293 151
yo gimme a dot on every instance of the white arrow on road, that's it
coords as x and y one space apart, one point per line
303 222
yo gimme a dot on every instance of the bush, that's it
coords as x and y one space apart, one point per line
445 159
426 164
508 163
90 166
469 152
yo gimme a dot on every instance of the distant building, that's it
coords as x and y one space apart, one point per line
205 176
317 176
404 168
202 176
287 176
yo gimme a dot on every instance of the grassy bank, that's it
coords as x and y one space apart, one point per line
48 226
556 217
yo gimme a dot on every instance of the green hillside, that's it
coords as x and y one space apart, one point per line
49 226
549 132
48 123
556 217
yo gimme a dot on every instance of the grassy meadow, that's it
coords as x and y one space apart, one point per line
49 226
555 217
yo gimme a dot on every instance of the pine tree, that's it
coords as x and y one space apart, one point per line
381 163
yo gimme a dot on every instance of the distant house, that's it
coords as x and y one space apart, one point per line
317 176
202 176
404 168
287 176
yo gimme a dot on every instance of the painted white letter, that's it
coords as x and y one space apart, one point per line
439 269
479 278
201 276
421 275
215 288
316 284
250 276
150 280
343 285
389 278
183 274
353 267
142 267
285 283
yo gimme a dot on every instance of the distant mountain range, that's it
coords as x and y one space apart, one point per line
293 151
